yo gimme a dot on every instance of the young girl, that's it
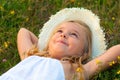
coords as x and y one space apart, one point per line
71 37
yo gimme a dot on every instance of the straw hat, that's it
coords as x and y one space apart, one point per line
79 14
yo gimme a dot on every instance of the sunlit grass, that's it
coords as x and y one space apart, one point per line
32 14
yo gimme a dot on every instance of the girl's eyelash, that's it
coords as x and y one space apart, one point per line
74 34
59 31
70 33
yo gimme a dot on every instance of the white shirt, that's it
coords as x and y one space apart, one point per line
36 68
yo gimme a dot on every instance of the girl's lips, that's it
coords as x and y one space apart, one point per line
60 41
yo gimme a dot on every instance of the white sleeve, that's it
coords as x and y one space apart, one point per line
35 68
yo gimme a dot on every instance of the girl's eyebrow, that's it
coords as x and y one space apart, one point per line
59 27
77 32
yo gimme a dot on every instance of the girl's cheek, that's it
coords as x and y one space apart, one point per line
56 35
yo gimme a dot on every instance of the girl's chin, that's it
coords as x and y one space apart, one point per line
57 57
61 47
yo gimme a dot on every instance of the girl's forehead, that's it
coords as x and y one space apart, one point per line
71 25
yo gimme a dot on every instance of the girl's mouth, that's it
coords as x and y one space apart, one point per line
62 42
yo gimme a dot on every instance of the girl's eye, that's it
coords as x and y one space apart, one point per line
59 31
74 34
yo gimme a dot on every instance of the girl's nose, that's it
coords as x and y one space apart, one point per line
63 35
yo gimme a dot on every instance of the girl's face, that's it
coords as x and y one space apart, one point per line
67 40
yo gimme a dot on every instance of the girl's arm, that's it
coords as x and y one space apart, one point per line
25 40
102 62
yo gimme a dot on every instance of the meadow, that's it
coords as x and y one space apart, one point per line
32 14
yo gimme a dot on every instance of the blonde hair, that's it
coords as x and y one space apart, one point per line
72 59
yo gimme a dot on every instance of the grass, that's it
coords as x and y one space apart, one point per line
32 14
